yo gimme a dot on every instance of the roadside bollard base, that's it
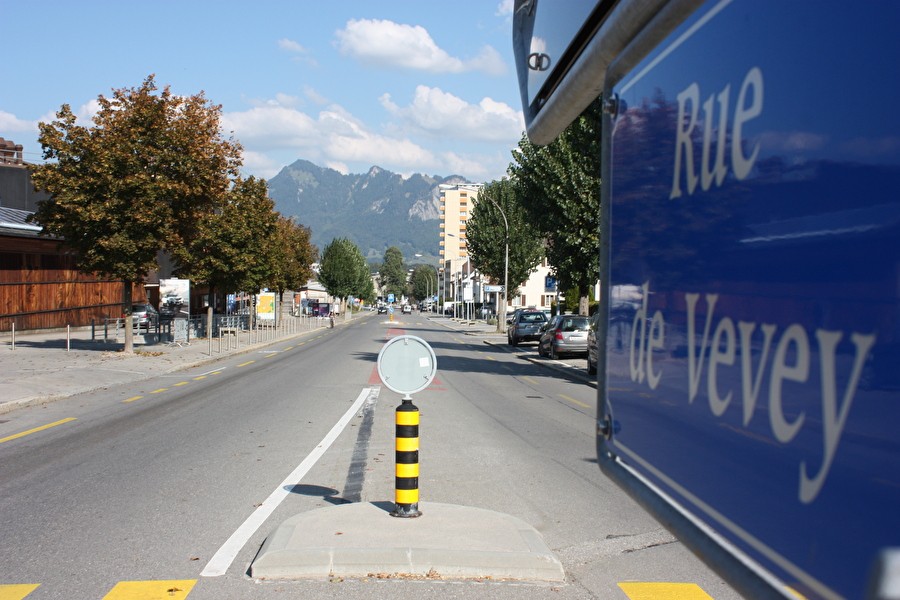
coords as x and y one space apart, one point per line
406 511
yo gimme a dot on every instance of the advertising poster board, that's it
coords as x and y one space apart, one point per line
265 306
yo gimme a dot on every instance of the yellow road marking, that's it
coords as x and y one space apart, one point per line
181 383
219 372
16 591
132 399
35 430
160 391
574 401
288 348
529 380
151 590
249 362
664 591
199 377
271 355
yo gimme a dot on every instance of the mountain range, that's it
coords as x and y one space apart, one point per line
375 210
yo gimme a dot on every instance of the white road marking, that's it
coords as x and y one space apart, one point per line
223 558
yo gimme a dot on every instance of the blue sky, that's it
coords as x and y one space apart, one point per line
409 86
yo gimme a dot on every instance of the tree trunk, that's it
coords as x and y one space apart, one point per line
126 310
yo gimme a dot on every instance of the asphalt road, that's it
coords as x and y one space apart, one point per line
149 480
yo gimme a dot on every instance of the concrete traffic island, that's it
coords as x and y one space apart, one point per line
447 542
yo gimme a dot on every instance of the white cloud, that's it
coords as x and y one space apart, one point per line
314 96
291 46
273 126
340 167
10 123
274 135
301 54
442 114
388 44
505 8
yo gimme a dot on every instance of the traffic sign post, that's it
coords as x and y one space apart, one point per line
407 365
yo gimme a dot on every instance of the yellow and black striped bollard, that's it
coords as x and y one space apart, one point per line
406 497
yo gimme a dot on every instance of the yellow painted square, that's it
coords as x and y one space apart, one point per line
151 590
664 591
16 591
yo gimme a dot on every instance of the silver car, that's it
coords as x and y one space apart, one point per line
565 334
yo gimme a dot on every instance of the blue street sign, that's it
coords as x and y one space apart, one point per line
753 338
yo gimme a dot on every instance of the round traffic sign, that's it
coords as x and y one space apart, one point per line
406 364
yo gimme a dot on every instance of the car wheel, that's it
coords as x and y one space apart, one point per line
591 367
554 355
513 341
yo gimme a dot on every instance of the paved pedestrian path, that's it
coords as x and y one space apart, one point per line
41 366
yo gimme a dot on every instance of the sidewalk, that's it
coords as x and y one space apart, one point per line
48 365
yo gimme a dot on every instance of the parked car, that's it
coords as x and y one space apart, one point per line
143 315
592 352
525 326
564 334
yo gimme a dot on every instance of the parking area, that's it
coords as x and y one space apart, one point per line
572 364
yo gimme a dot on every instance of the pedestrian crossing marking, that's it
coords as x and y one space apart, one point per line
151 590
664 591
16 591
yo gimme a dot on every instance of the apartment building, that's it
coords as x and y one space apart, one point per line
457 202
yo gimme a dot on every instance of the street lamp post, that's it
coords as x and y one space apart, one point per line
501 318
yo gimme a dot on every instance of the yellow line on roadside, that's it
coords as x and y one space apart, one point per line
200 378
288 348
574 401
132 399
181 383
36 429
160 391
271 355
249 362
219 372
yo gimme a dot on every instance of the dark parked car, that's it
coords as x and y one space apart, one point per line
525 327
565 334
143 315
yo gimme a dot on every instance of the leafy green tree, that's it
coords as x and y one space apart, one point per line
292 255
559 188
423 282
343 270
135 182
393 272
230 249
486 237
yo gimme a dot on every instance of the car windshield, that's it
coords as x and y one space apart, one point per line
533 318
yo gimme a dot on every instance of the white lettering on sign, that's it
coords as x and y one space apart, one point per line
712 353
749 105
